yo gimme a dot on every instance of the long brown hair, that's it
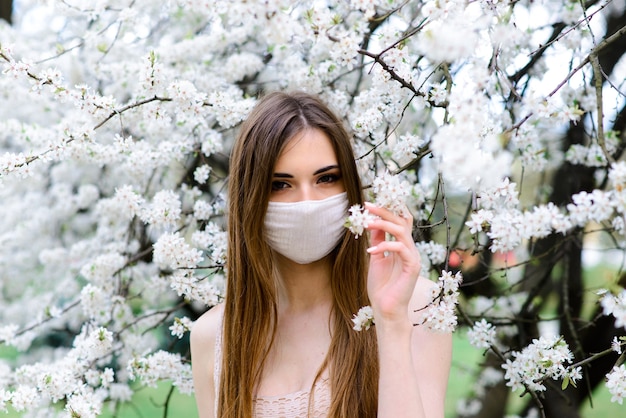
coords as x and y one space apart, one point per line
250 311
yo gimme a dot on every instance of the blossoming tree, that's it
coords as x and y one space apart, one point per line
500 123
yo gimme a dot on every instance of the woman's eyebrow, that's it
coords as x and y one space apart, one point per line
283 175
325 169
318 171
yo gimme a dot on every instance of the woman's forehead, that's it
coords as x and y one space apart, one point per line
310 147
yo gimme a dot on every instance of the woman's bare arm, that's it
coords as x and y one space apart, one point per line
414 362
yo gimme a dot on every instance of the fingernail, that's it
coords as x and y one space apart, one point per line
372 249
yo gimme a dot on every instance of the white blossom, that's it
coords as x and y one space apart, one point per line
616 345
544 358
616 383
172 251
482 334
159 366
448 40
201 174
435 252
24 398
84 404
615 305
391 192
345 50
363 319
165 209
95 302
358 220
406 148
180 326
202 210
102 268
440 314
5 397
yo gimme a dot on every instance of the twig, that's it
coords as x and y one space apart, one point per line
167 401
597 81
446 218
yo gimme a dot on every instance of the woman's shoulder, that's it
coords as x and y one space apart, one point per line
205 329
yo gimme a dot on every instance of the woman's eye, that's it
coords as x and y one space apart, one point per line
279 185
328 178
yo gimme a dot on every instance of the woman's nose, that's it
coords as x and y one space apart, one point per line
308 193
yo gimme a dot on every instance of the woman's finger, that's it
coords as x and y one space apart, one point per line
400 233
409 255
387 215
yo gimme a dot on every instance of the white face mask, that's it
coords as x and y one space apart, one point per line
306 231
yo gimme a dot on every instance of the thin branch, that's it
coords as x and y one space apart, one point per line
43 321
446 218
129 106
167 401
597 81
377 58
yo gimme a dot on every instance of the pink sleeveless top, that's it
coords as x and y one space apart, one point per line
291 405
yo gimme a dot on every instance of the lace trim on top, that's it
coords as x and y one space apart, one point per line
296 404
291 405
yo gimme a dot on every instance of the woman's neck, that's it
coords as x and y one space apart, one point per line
303 287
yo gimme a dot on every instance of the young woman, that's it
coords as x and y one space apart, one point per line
282 343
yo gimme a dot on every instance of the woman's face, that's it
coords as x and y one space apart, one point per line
306 169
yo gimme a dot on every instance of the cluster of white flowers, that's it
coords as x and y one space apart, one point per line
502 195
391 192
617 175
162 366
165 209
186 284
100 271
172 251
593 155
359 220
435 252
406 147
449 40
96 303
586 207
97 343
180 326
616 344
508 227
616 383
453 144
615 305
345 51
545 358
201 174
482 334
214 240
363 319
440 315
